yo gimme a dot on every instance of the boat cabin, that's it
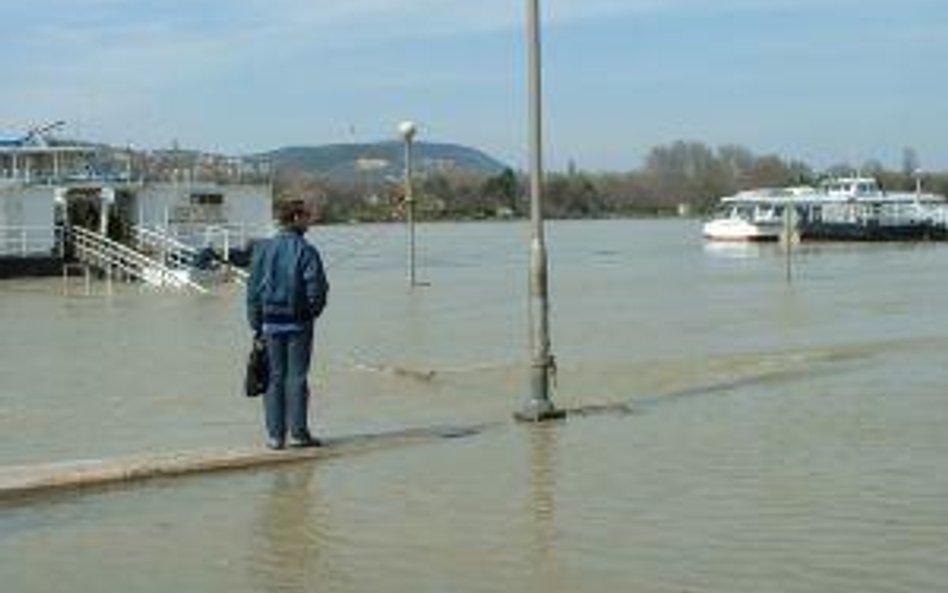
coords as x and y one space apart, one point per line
852 187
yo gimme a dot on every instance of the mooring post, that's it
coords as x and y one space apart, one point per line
538 406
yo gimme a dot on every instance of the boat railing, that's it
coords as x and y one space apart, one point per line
117 260
938 215
28 240
48 178
899 213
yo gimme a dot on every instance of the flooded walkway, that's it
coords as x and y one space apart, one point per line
781 437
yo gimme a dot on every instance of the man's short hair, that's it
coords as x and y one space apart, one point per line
288 212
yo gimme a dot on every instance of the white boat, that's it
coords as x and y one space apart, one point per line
754 215
847 208
859 209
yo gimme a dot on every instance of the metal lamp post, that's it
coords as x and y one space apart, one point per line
538 406
407 130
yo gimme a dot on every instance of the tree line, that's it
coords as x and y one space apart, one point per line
679 175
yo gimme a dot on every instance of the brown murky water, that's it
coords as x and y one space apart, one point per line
783 437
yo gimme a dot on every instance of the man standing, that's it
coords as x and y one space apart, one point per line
286 292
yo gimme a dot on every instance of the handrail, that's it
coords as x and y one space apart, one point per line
179 255
223 235
240 275
938 215
95 249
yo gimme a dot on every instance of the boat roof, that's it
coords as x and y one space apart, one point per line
10 140
833 190
817 197
14 145
845 180
775 195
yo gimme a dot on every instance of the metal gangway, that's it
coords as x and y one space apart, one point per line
160 245
178 255
117 260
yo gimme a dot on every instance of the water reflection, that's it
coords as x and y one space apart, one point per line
290 533
541 506
737 249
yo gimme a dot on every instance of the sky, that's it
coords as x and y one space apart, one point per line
823 81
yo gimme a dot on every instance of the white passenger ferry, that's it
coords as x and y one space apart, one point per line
848 209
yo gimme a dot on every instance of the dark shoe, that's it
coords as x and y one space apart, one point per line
306 440
275 444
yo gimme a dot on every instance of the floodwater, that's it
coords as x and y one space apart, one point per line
784 436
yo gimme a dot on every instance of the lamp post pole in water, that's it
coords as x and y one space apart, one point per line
407 130
538 406
788 238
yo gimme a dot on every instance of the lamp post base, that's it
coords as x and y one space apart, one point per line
539 410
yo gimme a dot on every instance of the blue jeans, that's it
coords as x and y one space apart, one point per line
287 398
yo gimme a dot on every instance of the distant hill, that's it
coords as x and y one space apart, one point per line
359 162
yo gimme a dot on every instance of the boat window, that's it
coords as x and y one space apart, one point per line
207 199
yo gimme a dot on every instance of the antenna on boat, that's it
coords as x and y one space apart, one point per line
38 133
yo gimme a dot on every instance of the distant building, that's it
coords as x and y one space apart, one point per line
367 164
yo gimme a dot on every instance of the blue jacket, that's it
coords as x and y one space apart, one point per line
287 283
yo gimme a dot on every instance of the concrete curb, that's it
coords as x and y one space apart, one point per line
26 480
